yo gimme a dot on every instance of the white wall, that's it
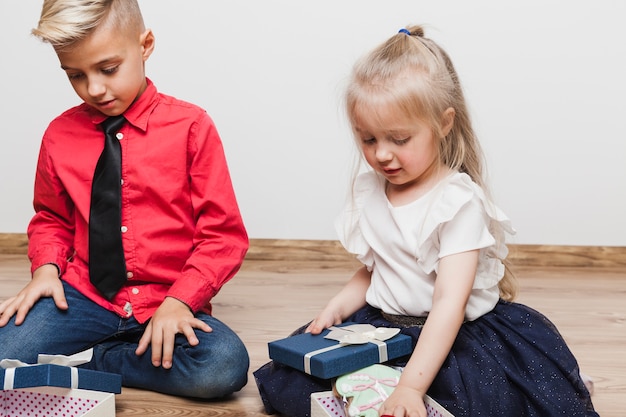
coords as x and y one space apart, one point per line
544 79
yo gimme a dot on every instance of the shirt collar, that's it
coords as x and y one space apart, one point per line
139 112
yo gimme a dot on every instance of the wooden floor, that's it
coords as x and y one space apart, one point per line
268 299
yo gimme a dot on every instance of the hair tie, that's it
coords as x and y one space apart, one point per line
405 31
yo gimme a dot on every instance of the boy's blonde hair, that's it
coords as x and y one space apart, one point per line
414 76
64 22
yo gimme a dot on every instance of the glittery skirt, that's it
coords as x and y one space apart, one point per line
511 362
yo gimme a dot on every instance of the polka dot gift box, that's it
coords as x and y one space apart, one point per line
55 401
325 404
56 387
361 393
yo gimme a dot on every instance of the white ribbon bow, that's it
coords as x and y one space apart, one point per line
70 361
358 334
355 334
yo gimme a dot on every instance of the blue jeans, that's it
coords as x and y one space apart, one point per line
216 367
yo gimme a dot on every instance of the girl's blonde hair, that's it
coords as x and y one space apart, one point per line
415 76
64 22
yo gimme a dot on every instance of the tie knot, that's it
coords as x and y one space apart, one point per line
113 124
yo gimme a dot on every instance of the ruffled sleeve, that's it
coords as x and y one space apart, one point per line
347 223
461 219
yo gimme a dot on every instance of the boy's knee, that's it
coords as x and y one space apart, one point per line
16 343
223 372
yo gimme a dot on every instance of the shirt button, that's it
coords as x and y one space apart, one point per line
119 136
129 275
124 229
135 291
122 181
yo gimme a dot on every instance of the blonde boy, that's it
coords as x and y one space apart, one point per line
182 233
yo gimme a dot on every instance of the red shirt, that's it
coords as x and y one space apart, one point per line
183 234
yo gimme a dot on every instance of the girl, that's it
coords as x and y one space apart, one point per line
432 246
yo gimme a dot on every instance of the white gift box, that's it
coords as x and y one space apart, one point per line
56 401
325 404
54 387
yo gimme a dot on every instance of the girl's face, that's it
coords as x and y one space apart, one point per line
106 69
402 149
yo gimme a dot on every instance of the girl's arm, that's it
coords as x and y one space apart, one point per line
453 287
344 304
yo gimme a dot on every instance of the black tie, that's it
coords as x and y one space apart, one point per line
107 266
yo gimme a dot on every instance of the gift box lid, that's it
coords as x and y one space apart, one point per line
300 352
61 376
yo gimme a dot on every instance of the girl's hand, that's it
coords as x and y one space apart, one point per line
323 321
404 402
171 318
344 304
45 283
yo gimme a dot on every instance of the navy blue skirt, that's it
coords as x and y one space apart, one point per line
510 362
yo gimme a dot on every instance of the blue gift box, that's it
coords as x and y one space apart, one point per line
61 376
325 358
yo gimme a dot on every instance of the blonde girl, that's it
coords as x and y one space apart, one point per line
432 245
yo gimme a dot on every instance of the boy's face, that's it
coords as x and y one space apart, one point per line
106 69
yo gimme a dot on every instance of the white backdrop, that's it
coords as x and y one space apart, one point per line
544 79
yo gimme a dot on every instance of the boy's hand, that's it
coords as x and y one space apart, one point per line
404 402
45 283
171 318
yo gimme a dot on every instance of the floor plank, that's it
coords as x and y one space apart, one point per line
268 299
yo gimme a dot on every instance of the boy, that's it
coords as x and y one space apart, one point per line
179 223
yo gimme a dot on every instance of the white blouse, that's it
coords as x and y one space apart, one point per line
401 246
